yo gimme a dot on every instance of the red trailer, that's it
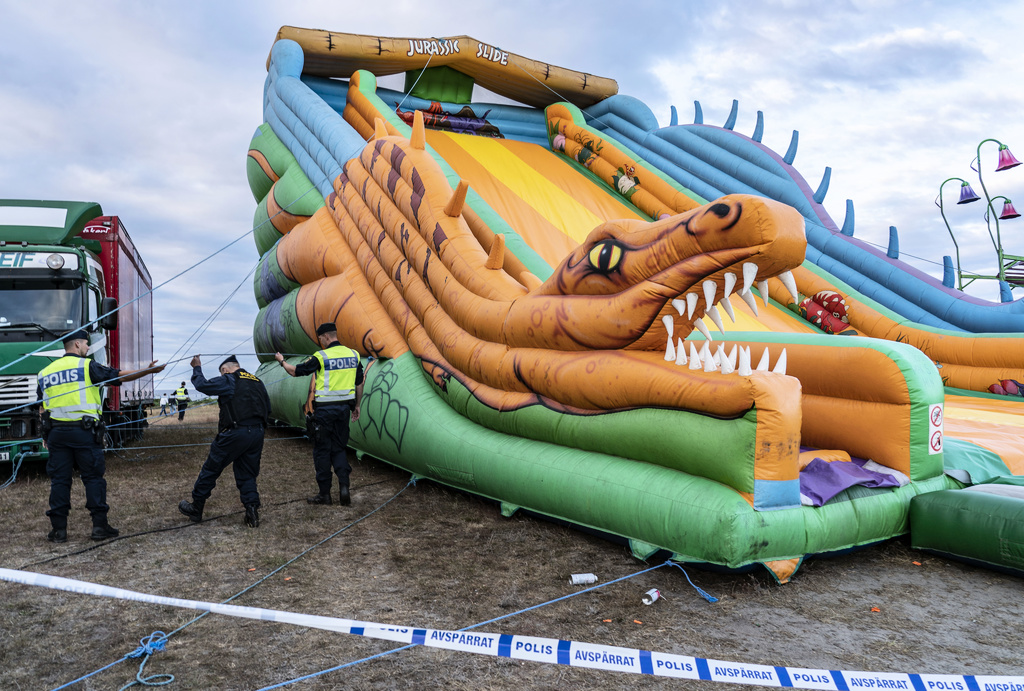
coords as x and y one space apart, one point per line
127 280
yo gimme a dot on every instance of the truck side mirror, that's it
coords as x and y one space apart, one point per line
109 321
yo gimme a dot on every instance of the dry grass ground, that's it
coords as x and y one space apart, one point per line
437 558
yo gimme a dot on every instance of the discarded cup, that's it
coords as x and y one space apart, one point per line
651 595
582 578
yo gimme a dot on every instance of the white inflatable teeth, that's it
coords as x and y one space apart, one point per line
732 356
762 366
709 364
712 312
727 366
744 365
680 352
691 304
780 366
724 302
720 356
748 297
703 328
695 362
670 326
790 283
749 276
730 283
705 351
762 287
709 293
680 305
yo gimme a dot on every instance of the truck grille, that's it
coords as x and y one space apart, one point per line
16 391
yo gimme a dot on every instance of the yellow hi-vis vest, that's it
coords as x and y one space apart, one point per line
336 378
180 393
68 391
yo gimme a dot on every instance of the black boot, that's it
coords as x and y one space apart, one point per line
58 535
320 499
193 509
104 531
252 515
343 497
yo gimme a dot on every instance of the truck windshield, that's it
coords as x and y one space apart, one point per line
54 308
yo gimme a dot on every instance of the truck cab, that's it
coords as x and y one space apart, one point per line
62 266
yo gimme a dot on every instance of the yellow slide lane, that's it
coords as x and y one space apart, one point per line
552 218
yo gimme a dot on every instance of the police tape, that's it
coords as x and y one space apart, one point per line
555 651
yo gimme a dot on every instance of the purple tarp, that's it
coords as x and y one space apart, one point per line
820 480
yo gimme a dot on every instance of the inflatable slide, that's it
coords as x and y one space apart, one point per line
539 292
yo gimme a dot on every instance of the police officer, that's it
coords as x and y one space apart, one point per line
244 407
336 398
181 395
73 432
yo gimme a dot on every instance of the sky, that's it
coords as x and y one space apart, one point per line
148 109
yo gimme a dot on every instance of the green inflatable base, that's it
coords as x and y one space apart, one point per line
405 422
975 525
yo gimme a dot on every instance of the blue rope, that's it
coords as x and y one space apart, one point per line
15 466
564 597
91 674
201 329
483 623
153 643
703 593
335 669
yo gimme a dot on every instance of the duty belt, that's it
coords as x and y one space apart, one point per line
81 424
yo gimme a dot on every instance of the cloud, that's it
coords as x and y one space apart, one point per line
887 61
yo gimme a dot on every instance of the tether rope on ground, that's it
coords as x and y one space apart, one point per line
491 621
162 641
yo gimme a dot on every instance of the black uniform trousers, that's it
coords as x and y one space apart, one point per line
242 446
330 444
70 445
181 409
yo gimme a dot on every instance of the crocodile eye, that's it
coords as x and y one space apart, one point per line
605 256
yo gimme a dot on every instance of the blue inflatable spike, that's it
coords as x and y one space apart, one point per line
759 127
894 244
848 221
1005 292
674 120
948 272
819 196
731 122
698 114
791 151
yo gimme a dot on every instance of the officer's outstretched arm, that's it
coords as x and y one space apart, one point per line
288 367
132 375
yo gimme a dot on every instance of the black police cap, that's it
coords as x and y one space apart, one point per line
75 335
230 358
326 328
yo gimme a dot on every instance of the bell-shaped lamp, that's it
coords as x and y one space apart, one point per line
1008 211
967 194
1006 159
